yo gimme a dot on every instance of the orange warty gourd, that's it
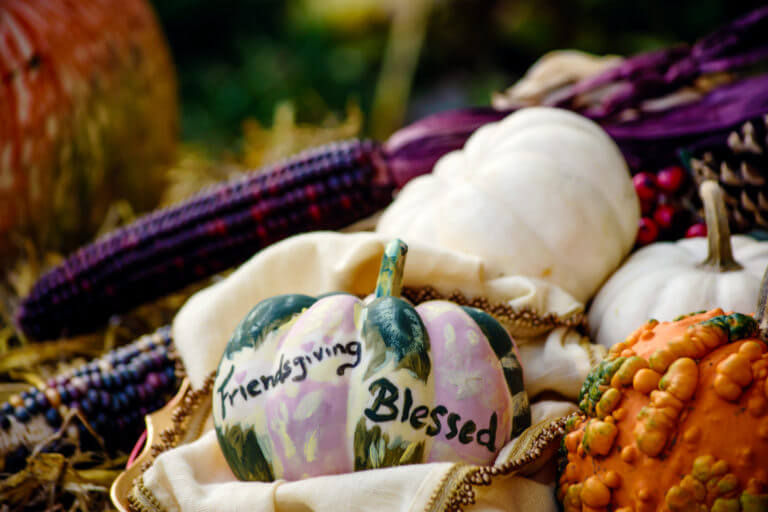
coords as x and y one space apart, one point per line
674 419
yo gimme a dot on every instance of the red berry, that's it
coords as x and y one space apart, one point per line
695 230
645 186
670 178
664 216
647 231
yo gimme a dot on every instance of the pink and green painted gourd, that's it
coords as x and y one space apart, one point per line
316 386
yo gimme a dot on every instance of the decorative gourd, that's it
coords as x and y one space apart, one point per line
676 418
542 193
313 386
668 279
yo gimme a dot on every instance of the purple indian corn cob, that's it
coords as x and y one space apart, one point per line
324 188
655 74
112 394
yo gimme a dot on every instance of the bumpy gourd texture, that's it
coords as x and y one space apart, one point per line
311 387
676 418
542 193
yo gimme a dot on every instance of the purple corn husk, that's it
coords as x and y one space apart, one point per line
651 140
654 139
414 149
654 74
741 34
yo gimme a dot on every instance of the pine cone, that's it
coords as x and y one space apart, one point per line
740 165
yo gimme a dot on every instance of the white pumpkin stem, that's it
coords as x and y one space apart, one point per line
720 257
761 315
390 280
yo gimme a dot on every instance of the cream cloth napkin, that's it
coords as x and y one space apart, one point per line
196 477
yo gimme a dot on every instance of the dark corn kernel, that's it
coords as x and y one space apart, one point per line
53 418
100 421
30 404
104 399
324 188
16 459
86 406
93 396
130 392
21 414
64 394
42 401
95 380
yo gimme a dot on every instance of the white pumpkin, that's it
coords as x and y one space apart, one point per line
542 193
668 279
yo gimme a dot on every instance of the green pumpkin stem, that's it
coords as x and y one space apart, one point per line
391 272
720 257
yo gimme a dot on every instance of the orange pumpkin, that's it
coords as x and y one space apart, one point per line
675 418
87 109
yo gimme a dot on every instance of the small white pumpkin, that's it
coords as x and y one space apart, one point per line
667 279
542 193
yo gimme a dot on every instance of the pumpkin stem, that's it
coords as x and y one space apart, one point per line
761 315
720 256
391 272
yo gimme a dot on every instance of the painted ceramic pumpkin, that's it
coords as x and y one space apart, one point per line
542 193
314 386
675 418
88 110
668 279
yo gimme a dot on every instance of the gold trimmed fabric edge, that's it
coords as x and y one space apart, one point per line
141 499
461 492
522 322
